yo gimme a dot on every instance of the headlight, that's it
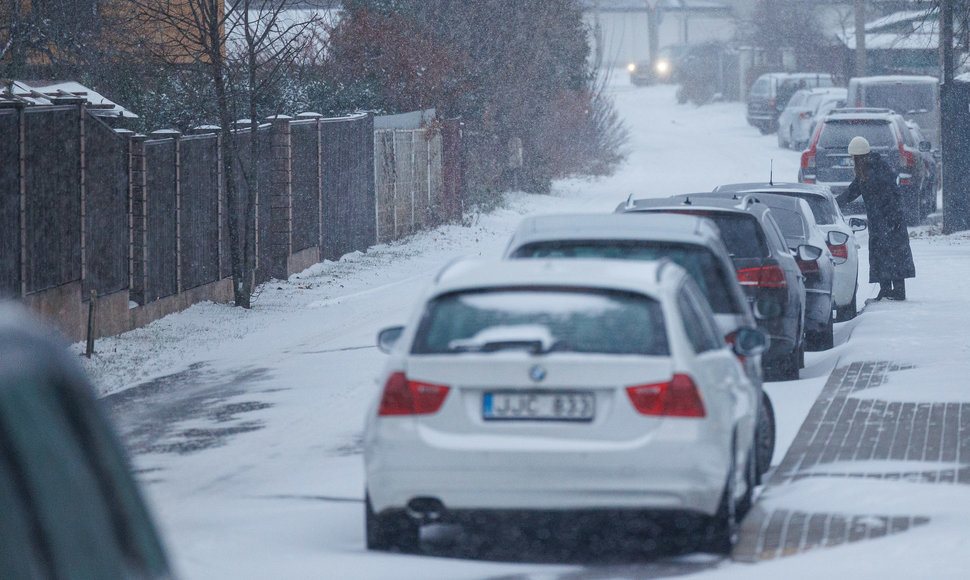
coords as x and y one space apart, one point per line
663 67
631 67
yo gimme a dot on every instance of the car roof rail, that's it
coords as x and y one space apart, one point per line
874 110
662 264
629 202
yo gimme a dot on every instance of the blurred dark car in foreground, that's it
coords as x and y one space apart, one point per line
70 506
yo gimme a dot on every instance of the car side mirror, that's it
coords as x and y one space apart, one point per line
858 224
837 238
387 338
807 253
925 146
749 342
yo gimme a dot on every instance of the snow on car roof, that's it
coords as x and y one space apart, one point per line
646 277
614 225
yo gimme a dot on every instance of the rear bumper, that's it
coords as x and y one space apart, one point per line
669 469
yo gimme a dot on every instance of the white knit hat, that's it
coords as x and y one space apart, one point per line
858 146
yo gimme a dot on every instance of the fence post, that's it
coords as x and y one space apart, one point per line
280 196
22 185
138 224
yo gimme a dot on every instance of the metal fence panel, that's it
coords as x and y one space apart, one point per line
199 174
260 181
9 203
363 226
53 185
106 209
305 183
161 219
347 185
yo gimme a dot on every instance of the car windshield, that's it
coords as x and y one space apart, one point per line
902 97
836 134
699 262
555 319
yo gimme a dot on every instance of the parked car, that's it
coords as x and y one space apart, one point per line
71 508
927 158
693 243
795 122
915 97
833 224
770 93
809 245
827 160
512 373
765 268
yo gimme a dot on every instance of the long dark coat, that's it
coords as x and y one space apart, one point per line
890 257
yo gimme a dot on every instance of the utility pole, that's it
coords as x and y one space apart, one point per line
860 38
652 29
954 141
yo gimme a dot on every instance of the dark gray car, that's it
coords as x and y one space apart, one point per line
71 508
764 267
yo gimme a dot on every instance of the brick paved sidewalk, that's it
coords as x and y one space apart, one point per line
844 427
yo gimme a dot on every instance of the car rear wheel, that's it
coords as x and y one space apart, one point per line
391 531
822 339
721 533
765 440
847 312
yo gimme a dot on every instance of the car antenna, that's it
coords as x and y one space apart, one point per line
687 200
771 172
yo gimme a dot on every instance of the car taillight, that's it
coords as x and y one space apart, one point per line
907 162
840 251
678 397
808 266
404 397
805 115
808 159
766 277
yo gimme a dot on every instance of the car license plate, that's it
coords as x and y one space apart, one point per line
538 406
847 162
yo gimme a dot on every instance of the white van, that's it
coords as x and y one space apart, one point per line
917 98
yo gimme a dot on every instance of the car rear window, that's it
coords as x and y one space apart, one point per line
740 232
549 319
901 97
700 262
791 222
836 134
822 208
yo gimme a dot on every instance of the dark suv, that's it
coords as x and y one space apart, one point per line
767 271
827 160
70 506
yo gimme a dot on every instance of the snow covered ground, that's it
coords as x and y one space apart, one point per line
283 498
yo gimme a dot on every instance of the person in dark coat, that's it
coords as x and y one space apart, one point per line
890 257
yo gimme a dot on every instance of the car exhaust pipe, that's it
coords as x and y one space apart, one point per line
425 509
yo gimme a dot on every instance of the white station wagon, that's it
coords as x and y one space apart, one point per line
560 385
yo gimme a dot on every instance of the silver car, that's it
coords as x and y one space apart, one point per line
840 235
692 242
797 120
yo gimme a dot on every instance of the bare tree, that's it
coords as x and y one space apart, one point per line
196 34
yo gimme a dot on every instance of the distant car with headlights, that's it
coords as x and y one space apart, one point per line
765 268
840 235
537 386
664 69
692 242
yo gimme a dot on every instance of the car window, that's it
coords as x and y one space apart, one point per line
761 88
823 208
739 231
700 262
698 323
792 223
569 320
774 233
902 97
905 133
836 134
